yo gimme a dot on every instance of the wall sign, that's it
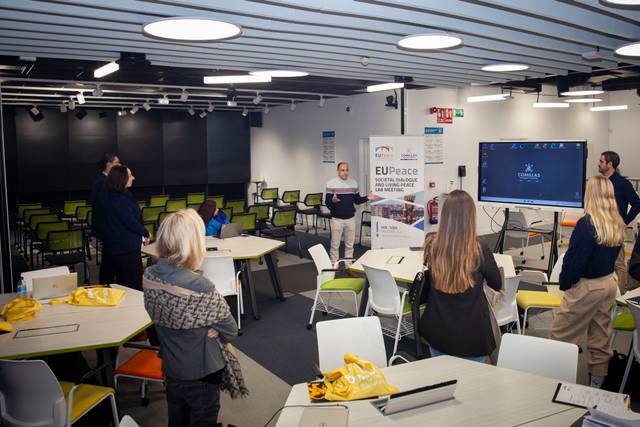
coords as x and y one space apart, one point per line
458 112
329 146
445 115
433 146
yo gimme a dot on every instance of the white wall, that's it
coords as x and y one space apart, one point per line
624 131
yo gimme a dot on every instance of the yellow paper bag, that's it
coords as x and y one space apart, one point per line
20 309
357 379
5 327
107 297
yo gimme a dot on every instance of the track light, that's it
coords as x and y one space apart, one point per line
122 113
292 107
35 114
257 99
210 108
203 114
134 109
34 110
164 100
146 105
97 91
245 112
191 111
266 109
72 104
81 99
321 101
109 68
184 95
63 108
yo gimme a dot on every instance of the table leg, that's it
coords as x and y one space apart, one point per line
105 357
275 276
364 299
248 281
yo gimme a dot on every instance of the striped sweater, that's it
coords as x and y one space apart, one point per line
347 191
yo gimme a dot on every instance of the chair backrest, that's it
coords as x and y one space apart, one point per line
142 204
194 206
24 206
635 312
220 270
30 395
506 262
151 228
284 218
269 194
517 221
261 211
313 199
43 228
236 205
533 276
539 356
384 296
34 220
361 336
127 421
159 200
291 196
557 268
247 220
82 212
322 261
161 217
70 240
174 205
193 198
28 276
69 207
90 217
218 199
151 213
506 306
28 213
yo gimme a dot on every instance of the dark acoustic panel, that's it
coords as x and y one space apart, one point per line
140 146
255 119
89 138
43 151
228 148
11 153
185 149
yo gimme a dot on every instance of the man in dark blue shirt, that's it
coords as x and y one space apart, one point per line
627 200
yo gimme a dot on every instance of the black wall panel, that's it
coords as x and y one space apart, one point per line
89 139
140 146
185 150
228 147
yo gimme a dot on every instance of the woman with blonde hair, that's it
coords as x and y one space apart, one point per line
456 320
588 277
193 322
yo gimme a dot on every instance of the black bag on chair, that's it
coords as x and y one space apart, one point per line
418 292
617 366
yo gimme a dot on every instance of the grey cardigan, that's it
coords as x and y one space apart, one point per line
189 354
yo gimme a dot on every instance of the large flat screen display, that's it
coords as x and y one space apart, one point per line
539 173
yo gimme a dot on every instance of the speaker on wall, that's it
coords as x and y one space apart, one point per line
255 119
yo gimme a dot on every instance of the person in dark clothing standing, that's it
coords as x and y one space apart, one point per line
456 320
634 262
627 201
123 232
108 160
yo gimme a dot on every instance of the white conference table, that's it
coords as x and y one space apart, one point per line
486 395
243 249
65 328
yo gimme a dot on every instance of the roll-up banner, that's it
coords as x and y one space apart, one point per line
397 179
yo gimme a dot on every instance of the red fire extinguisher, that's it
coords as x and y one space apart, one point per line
432 210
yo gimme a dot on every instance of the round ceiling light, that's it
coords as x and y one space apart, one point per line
279 73
191 29
429 41
504 68
631 49
582 100
587 92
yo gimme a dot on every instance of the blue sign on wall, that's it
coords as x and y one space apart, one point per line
433 131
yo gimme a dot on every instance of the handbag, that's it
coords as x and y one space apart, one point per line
617 366
357 379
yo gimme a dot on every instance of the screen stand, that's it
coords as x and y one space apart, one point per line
553 252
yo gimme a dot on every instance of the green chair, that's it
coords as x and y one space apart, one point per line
269 195
194 206
82 212
175 205
26 218
159 200
151 213
70 206
151 228
161 217
365 221
218 199
248 221
142 204
193 198
19 221
312 201
290 198
262 215
228 212
42 231
236 205
283 226
66 248
34 221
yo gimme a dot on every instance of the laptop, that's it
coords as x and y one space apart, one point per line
231 230
54 286
415 398
324 416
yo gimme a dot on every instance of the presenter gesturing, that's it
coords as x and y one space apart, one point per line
341 197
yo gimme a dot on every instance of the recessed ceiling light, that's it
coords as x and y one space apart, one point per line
429 41
486 98
384 86
550 105
503 68
624 2
243 78
610 108
109 68
587 92
631 49
582 100
191 29
279 73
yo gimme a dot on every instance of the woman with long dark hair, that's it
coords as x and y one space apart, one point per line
456 320
124 232
212 217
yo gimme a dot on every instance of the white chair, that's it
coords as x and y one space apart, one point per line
326 283
518 229
127 421
385 301
30 395
539 356
220 270
635 352
506 310
361 336
28 276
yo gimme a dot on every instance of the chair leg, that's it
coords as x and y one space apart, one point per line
355 300
517 321
299 247
238 298
627 369
114 410
313 310
524 320
542 246
360 238
397 337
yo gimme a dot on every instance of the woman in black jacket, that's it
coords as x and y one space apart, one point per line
457 320
124 232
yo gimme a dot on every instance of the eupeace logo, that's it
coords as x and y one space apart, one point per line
384 152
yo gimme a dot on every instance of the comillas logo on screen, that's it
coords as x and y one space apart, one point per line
384 152
408 155
529 174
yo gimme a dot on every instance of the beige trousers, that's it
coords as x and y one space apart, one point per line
586 307
621 271
338 228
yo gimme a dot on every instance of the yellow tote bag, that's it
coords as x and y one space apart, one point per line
20 309
107 297
357 379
